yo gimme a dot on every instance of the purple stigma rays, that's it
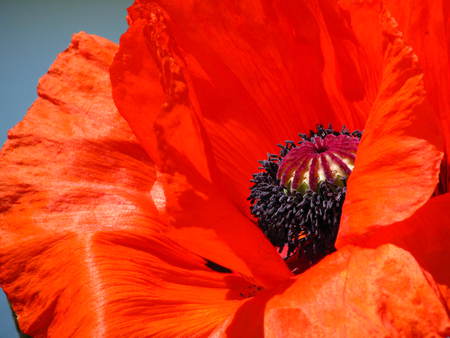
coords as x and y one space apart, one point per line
317 160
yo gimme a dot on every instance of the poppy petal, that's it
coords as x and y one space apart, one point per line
427 29
153 287
171 135
78 195
396 168
355 292
254 77
203 221
425 235
70 168
143 91
137 284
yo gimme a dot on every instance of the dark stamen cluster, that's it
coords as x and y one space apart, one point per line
322 132
304 224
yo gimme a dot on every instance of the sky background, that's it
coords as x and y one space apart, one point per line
32 33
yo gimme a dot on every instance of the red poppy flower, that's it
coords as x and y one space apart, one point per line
109 230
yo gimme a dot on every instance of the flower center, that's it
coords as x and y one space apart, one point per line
297 198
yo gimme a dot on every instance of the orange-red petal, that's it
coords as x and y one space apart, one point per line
425 235
81 251
426 26
85 249
253 74
153 287
71 168
199 210
144 86
397 166
72 163
203 220
360 292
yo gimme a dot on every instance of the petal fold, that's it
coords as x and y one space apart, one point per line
71 168
355 293
80 194
154 288
168 125
397 163
252 78
425 235
426 26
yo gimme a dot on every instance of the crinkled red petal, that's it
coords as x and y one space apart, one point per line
426 26
356 293
83 251
352 293
167 127
202 220
425 235
397 166
235 86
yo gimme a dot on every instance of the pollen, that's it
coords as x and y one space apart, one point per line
297 195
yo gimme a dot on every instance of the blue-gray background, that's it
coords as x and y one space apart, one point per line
32 33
